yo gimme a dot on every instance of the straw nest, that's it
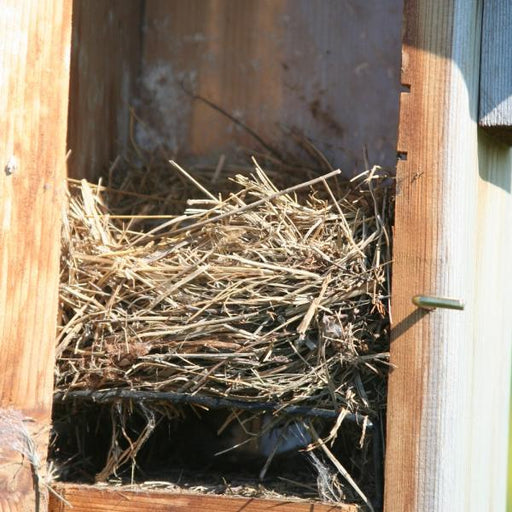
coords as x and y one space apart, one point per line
260 295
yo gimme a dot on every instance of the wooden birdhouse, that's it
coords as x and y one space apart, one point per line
200 82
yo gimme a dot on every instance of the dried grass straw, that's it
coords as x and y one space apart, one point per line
261 296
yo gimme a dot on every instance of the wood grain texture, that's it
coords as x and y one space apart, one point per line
90 499
34 79
491 347
105 62
325 69
496 71
445 449
415 257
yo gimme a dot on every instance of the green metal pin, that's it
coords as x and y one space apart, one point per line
428 302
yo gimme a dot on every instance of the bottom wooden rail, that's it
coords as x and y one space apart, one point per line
84 498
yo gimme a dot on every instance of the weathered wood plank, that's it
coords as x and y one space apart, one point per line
491 347
325 69
496 70
447 433
105 67
81 498
34 79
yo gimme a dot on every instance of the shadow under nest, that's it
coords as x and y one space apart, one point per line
217 452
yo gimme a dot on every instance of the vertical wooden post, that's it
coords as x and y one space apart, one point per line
448 394
34 77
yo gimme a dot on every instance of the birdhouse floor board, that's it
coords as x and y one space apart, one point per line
82 498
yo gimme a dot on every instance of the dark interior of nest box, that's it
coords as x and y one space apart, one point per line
204 79
197 449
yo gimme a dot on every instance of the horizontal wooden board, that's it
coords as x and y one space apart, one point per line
82 498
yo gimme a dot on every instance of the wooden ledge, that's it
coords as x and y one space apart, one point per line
84 498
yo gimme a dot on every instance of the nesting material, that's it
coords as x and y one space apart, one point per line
260 296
